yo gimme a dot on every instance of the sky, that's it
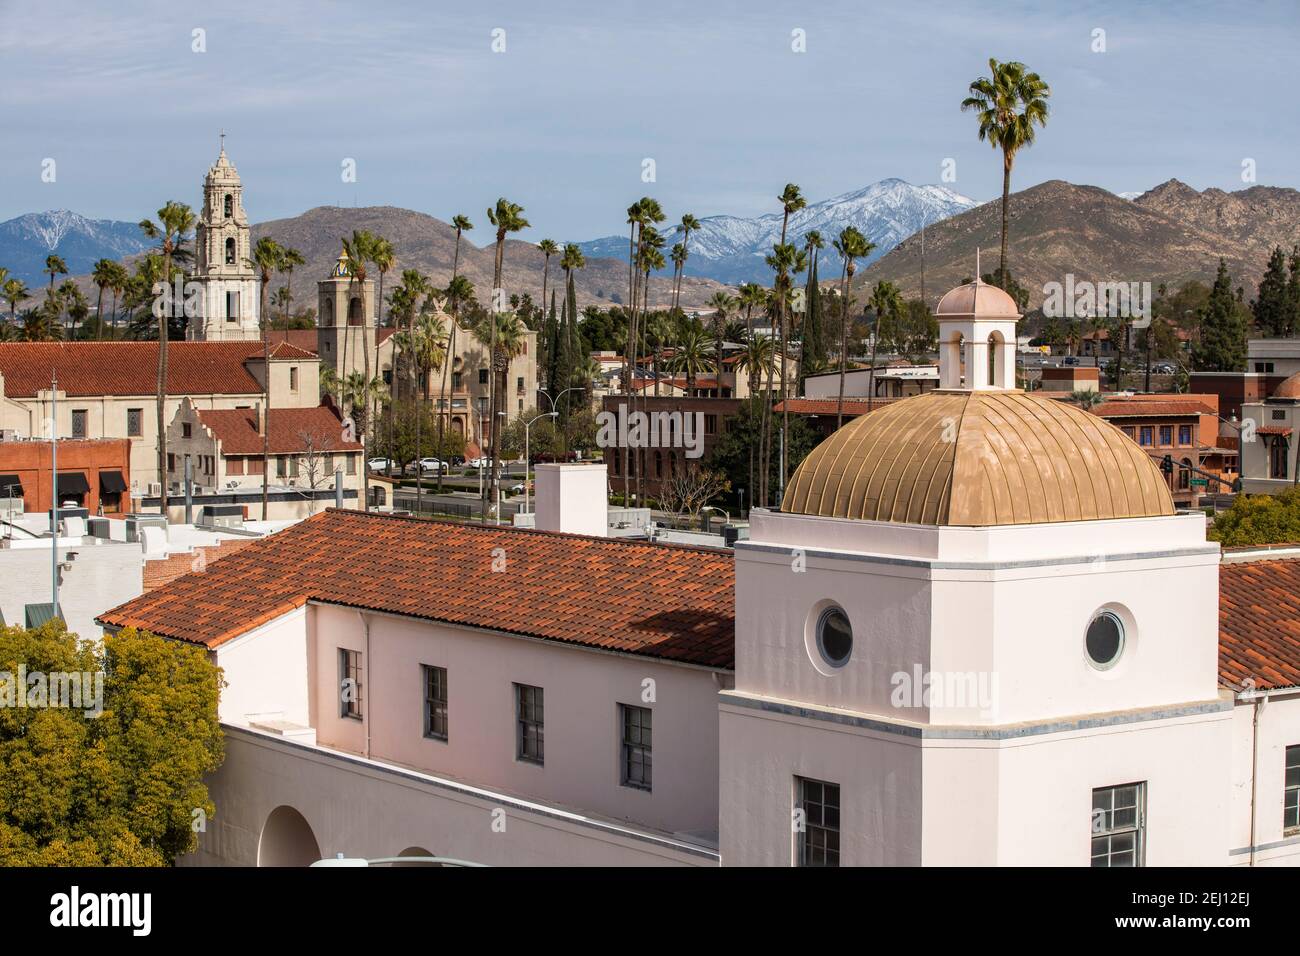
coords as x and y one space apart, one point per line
443 107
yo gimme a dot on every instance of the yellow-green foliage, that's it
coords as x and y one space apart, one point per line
115 790
1259 519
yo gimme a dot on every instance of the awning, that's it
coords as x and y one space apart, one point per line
73 483
10 486
111 483
35 615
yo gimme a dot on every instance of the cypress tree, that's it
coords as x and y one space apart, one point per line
552 347
1223 329
1272 306
1293 294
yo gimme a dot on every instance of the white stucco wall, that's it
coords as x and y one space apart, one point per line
1279 728
96 577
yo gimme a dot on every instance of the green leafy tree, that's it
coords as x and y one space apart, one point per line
1259 520
120 789
732 455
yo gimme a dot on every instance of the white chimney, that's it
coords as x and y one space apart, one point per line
573 499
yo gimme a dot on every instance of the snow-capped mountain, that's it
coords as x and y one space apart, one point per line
27 240
732 250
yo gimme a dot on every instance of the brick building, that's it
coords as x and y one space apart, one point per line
94 473
662 459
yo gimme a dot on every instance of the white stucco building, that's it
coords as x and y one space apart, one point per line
975 633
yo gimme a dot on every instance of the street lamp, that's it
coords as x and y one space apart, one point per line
528 458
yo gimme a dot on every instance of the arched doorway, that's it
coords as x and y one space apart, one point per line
416 851
287 840
354 311
327 313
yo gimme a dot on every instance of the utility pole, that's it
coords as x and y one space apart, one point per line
54 488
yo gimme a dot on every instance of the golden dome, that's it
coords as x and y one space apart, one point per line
975 459
1290 388
977 299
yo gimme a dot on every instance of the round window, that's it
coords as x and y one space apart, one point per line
1105 640
834 637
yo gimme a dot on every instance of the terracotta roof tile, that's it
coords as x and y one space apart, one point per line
236 429
1259 623
663 601
827 406
1121 408
131 368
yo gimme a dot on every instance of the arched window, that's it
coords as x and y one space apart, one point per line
230 251
327 314
230 205
354 311
1185 475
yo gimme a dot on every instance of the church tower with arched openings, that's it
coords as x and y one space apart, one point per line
222 248
345 321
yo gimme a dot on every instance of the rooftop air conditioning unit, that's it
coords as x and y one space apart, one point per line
9 434
155 488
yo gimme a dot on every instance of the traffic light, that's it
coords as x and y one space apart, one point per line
1167 464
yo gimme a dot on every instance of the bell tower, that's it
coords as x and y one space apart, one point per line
222 248
345 313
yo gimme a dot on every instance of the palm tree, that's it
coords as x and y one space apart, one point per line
78 308
688 225
266 259
721 304
55 266
692 354
462 225
289 259
1008 103
548 248
1086 398
885 299
357 252
102 276
383 257
175 223
507 217
120 279
14 291
851 246
570 262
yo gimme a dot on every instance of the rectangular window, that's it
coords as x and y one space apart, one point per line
234 465
256 464
293 378
281 467
1184 434
435 701
519 385
171 462
530 719
1291 794
293 467
482 376
636 769
1279 415
1119 825
1148 435
1130 431
351 464
78 423
232 305
710 424
349 683
1264 367
1277 458
457 380
1166 435
135 422
187 430
819 836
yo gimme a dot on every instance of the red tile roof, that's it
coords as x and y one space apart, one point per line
1259 623
827 406
1274 430
304 339
236 429
131 368
665 601
1123 408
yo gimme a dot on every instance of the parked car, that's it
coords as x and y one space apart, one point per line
518 488
382 464
432 466
1071 360
479 463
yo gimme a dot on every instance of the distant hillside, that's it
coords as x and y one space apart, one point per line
1170 234
27 240
733 250
428 244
